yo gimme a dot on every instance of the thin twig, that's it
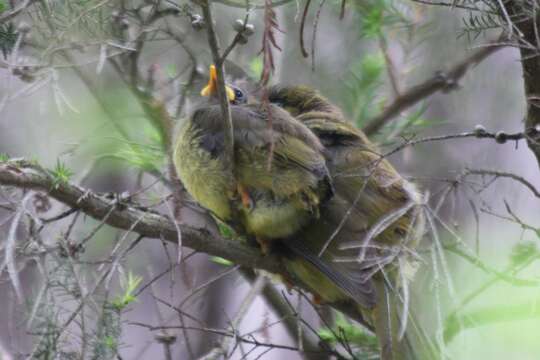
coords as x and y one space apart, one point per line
223 348
213 41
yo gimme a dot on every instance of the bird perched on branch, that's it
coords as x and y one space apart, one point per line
374 213
358 251
281 166
341 215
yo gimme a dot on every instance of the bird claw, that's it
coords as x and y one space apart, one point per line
317 299
245 198
265 245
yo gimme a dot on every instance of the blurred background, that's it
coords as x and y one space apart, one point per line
65 103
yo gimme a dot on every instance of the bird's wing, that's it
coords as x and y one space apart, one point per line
372 210
262 133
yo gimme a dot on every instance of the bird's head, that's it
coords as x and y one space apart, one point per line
299 99
235 95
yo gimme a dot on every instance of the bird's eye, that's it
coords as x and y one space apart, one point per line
239 96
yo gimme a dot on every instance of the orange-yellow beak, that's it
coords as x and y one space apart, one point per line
211 88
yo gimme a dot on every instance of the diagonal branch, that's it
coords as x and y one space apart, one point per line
531 70
222 350
127 216
15 11
446 81
148 223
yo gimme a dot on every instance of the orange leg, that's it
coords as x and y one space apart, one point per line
264 244
288 283
317 299
244 197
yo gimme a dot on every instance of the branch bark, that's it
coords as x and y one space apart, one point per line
528 28
141 220
146 222
442 81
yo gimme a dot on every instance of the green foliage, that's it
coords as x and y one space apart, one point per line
361 84
142 156
344 331
96 328
8 38
2 6
128 285
105 344
171 70
376 15
221 261
4 157
226 231
255 68
373 21
61 174
478 21
522 252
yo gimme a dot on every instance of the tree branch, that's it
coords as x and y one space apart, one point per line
16 11
531 70
146 222
442 81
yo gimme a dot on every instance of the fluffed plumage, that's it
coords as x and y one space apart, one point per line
293 185
372 217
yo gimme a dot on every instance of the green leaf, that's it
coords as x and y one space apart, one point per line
221 261
61 174
372 23
110 342
8 37
171 70
128 285
343 330
2 6
256 67
146 157
4 157
361 84
226 231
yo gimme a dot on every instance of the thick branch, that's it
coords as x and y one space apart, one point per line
132 217
531 70
446 81
128 216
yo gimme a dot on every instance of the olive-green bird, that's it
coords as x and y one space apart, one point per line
370 215
293 185
369 227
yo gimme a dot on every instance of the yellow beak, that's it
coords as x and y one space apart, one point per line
211 88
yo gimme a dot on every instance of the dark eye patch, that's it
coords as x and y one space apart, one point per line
239 94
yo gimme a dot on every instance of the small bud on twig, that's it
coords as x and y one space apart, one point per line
500 137
24 28
197 22
479 130
246 30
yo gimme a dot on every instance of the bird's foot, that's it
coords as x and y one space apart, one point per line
264 244
317 299
245 197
